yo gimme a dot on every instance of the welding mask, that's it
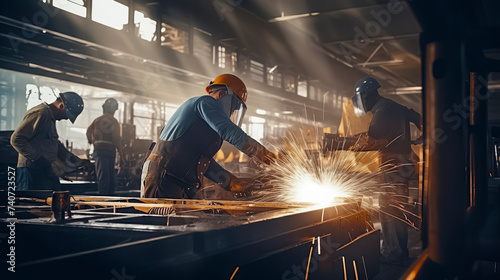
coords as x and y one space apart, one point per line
233 106
365 95
359 107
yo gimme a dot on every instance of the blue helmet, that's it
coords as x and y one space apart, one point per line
366 85
110 105
365 95
73 104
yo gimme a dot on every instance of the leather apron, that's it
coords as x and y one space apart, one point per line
186 159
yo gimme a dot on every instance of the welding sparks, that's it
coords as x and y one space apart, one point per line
303 174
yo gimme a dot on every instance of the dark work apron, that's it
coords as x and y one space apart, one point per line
181 163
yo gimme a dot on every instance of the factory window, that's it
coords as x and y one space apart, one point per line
145 27
256 128
302 87
143 120
257 71
234 61
334 98
339 101
227 56
312 92
173 38
243 64
273 77
289 82
222 57
36 95
202 43
322 94
110 13
76 7
315 93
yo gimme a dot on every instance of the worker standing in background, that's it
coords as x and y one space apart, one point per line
42 157
186 146
104 134
389 132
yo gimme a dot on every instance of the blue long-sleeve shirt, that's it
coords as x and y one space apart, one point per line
210 110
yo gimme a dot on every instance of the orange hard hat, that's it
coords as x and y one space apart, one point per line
233 82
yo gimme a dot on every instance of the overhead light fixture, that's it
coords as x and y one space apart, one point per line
408 90
273 69
287 112
285 18
261 112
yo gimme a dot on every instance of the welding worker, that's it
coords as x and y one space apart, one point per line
388 132
104 134
42 157
184 152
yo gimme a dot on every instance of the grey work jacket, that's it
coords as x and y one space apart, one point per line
37 136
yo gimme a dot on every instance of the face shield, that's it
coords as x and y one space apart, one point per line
233 107
359 106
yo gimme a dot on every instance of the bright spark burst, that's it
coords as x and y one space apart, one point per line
305 175
302 174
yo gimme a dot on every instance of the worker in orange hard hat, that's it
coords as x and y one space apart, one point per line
184 151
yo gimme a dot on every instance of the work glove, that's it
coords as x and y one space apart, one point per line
254 149
367 143
84 165
239 185
57 167
334 142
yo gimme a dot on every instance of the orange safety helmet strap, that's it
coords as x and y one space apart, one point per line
233 82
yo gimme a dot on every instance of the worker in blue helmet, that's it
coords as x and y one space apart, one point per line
389 132
104 134
42 157
183 154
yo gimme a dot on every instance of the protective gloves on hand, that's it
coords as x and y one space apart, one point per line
57 167
84 165
367 143
240 185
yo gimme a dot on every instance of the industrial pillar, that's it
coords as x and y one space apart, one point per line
446 151
478 142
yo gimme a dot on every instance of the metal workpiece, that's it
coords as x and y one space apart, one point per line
197 238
